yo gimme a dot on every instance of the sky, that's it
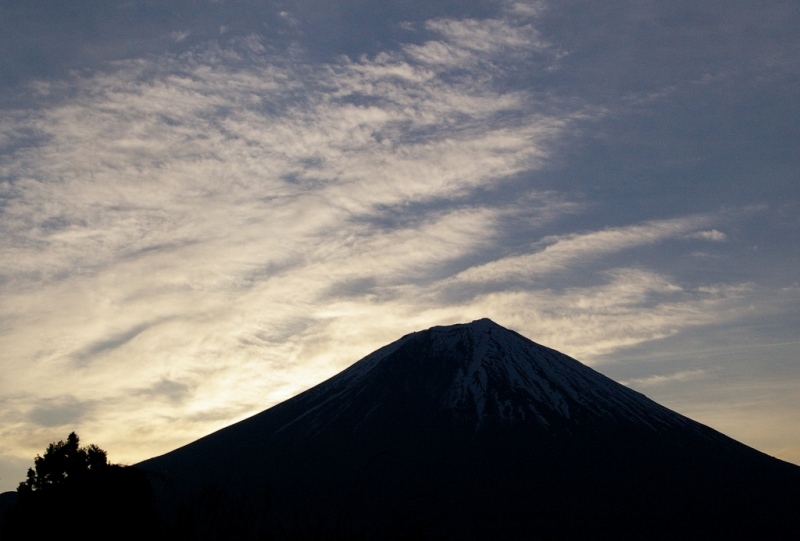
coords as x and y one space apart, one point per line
207 207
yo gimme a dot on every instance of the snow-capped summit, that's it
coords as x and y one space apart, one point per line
473 431
481 372
507 376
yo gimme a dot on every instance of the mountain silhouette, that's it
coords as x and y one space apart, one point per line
473 431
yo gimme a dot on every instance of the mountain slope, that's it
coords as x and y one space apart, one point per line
472 432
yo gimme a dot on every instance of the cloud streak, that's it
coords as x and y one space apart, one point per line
190 238
559 253
664 379
201 221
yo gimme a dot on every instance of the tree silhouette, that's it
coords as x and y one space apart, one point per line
63 462
75 488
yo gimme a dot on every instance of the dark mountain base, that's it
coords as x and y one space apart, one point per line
547 490
472 432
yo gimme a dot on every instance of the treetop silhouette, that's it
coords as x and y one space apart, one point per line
63 461
75 487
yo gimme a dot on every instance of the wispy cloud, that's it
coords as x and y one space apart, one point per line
179 36
711 234
202 222
61 412
662 379
630 307
553 254
188 239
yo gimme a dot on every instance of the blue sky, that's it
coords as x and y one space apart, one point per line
209 206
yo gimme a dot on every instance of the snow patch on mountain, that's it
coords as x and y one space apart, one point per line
483 373
510 378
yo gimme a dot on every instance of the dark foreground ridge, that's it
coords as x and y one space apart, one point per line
472 431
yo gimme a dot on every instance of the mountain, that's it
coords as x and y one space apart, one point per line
473 431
